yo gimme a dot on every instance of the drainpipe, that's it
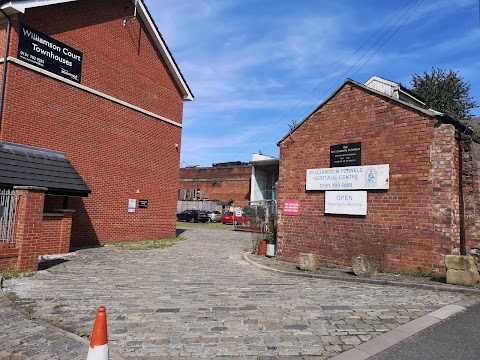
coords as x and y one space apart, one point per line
4 73
463 130
463 243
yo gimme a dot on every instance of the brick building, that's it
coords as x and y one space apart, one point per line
419 201
222 181
94 79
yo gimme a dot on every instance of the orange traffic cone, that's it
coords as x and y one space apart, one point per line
98 349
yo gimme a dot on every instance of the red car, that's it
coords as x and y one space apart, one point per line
231 218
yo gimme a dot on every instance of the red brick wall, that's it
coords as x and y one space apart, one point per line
8 258
220 183
36 233
471 195
3 34
56 230
28 230
119 152
118 60
408 227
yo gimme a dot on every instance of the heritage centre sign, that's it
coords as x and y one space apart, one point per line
349 178
49 54
346 154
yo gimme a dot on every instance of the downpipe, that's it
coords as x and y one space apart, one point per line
4 72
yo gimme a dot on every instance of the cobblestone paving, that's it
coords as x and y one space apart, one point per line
23 338
200 299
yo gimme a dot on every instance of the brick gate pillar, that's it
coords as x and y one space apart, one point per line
28 231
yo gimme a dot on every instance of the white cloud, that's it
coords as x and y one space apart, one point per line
250 63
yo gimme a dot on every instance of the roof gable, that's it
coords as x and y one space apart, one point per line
20 6
369 90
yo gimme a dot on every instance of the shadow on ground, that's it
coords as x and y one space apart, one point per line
47 264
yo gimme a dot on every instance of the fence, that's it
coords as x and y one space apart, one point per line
209 205
258 218
8 204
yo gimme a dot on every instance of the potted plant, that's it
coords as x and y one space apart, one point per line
271 240
262 247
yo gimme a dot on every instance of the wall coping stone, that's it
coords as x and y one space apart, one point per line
32 188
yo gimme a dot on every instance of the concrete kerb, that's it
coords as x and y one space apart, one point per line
356 279
393 337
50 328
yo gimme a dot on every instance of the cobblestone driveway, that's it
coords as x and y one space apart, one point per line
199 298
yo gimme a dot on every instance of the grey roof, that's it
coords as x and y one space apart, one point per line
474 122
23 165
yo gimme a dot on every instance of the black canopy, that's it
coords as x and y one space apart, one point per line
22 165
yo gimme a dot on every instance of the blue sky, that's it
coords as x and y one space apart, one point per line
255 66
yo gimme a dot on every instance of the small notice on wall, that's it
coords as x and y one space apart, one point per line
291 208
346 155
132 205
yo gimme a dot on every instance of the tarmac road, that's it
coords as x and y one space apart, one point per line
456 338
200 299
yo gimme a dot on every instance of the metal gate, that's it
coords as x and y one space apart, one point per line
8 205
259 217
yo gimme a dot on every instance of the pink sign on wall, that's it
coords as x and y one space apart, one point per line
291 208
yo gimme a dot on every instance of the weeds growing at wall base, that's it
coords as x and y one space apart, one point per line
14 273
149 244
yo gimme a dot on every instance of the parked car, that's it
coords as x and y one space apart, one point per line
193 216
215 216
231 218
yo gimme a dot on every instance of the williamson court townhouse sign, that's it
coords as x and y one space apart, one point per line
49 54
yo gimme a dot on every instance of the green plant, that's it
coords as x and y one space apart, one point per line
14 273
230 202
250 211
445 91
84 335
272 234
292 126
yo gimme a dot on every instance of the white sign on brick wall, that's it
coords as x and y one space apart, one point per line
346 202
349 178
